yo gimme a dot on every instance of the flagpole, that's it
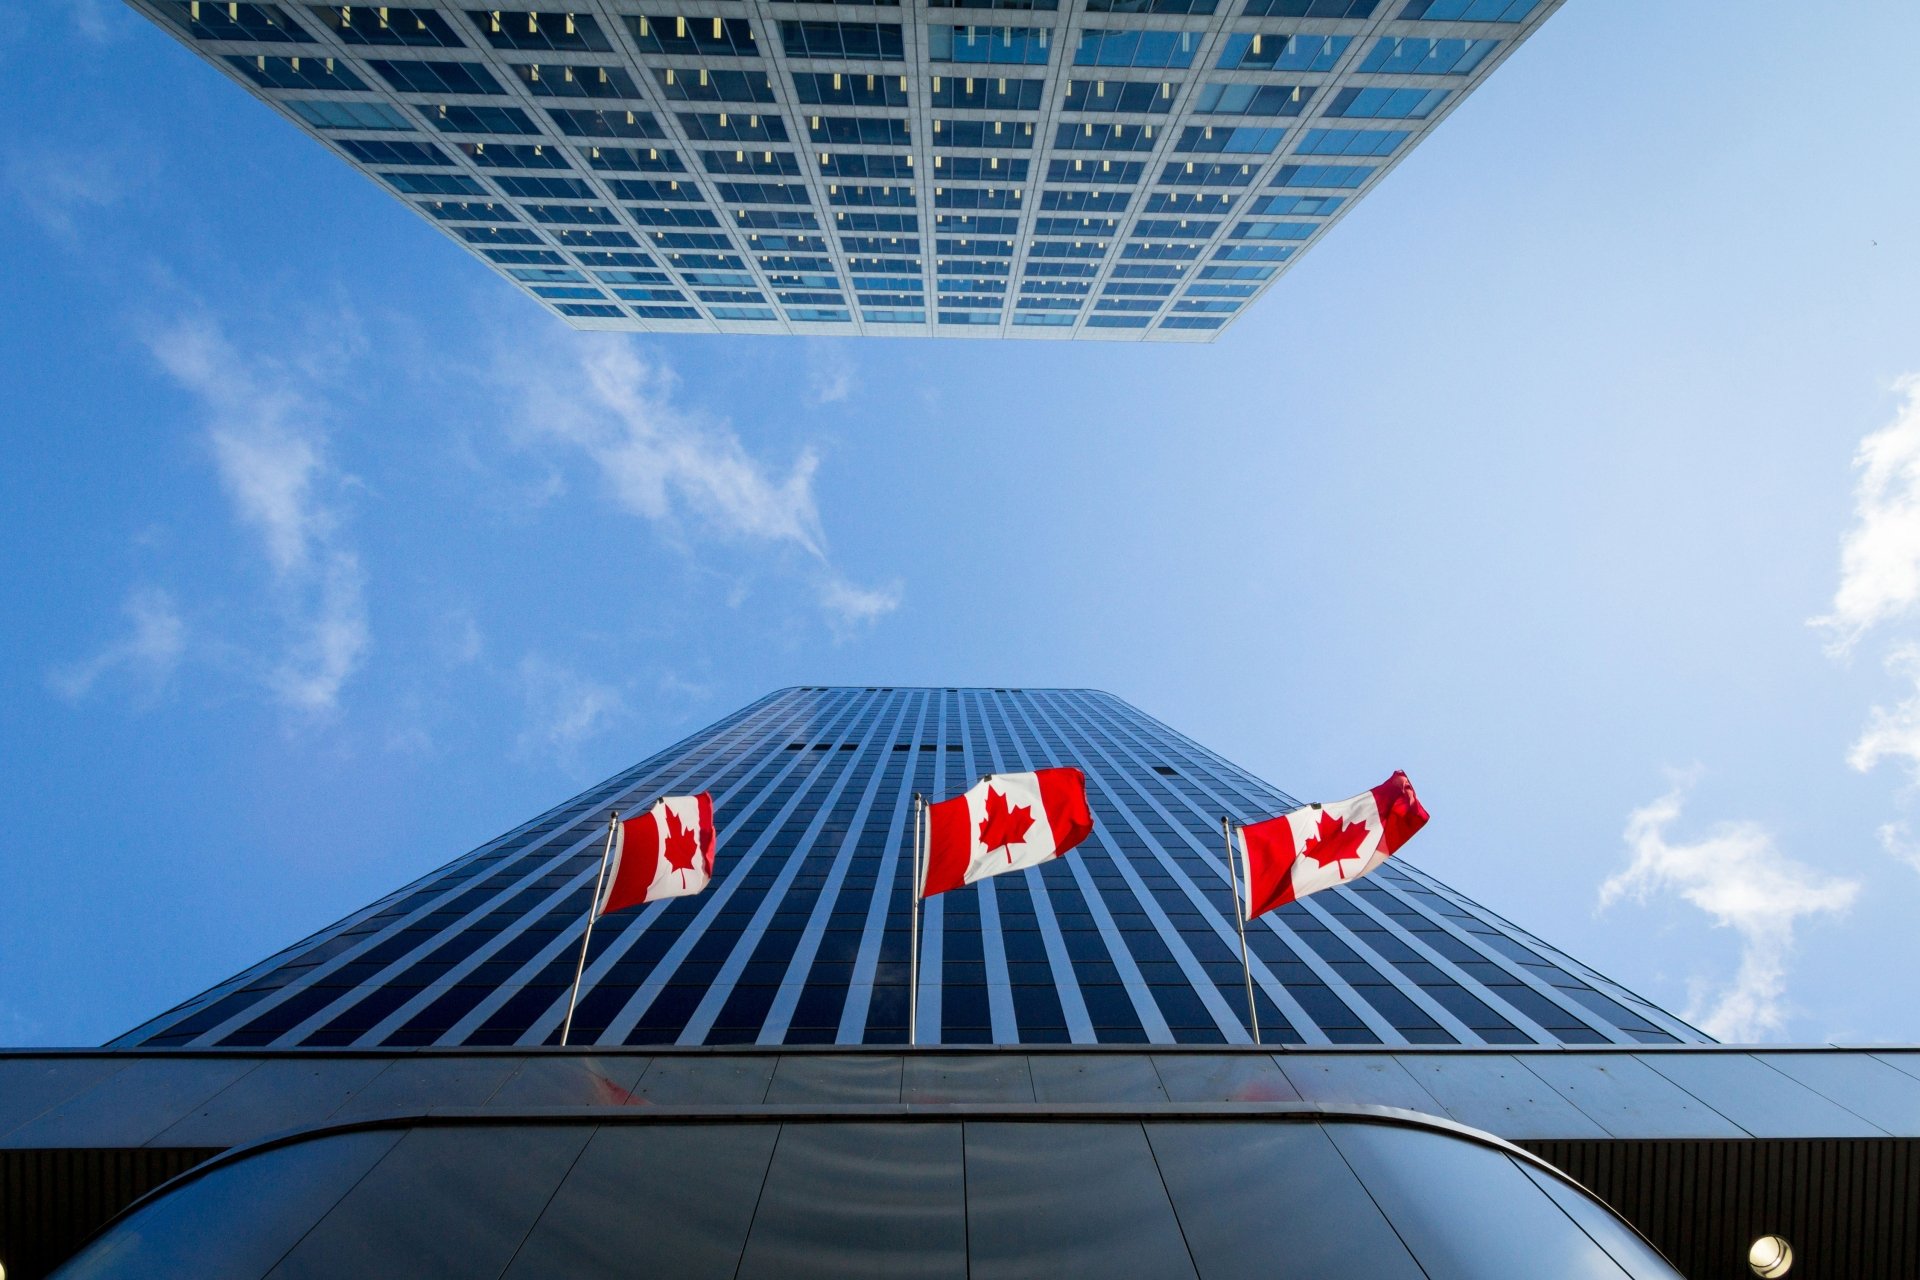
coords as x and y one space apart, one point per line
913 964
593 911
1240 922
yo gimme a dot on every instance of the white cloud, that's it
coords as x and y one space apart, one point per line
58 189
1880 555
263 430
1743 882
851 605
1897 839
676 466
829 372
1893 733
150 652
563 708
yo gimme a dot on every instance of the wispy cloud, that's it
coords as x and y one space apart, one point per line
1739 878
829 372
678 467
563 708
58 189
150 652
1894 732
263 428
1880 554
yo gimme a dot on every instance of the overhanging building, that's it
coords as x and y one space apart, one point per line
1117 169
386 1097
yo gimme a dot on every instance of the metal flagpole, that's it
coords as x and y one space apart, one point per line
593 911
1240 921
913 965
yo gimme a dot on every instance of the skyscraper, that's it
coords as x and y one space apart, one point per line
1122 169
386 1097
803 937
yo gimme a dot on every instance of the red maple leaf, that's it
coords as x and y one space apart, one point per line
680 847
1003 827
1335 841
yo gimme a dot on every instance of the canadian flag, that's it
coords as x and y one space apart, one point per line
1006 822
666 852
1318 846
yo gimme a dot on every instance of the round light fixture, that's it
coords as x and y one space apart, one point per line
1770 1256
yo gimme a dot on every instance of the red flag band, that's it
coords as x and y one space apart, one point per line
1006 822
1319 846
666 852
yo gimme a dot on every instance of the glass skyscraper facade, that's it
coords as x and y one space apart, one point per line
1118 169
803 937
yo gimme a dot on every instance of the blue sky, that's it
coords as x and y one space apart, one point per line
324 556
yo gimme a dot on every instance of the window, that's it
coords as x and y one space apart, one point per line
295 73
1135 97
1201 173
1240 140
1321 175
435 184
701 85
512 155
894 317
1351 142
537 30
449 119
589 310
1086 201
570 80
634 160
774 220
1136 48
575 215
545 188
260 23
654 189
1274 230
1188 202
1468 10
381 151
1303 206
854 41
437 77
771 163
763 193
886 197
578 123
1105 137
1386 104
1047 5
1105 172
1252 99
1309 8
859 164
1411 56
987 92
726 37
1281 51
835 88
979 44
1150 6
348 115
385 25
469 211
875 131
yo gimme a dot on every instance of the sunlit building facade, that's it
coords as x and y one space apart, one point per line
1117 169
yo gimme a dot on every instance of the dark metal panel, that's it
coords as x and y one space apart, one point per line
1629 1250
413 1085
1495 1093
1465 1211
715 1081
1754 1096
280 1094
1871 1089
1356 1079
29 1086
1094 1077
1262 1200
599 1081
850 1200
444 1202
131 1106
1629 1099
666 1200
234 1223
1222 1077
987 1077
1066 1202
809 1078
51 1201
